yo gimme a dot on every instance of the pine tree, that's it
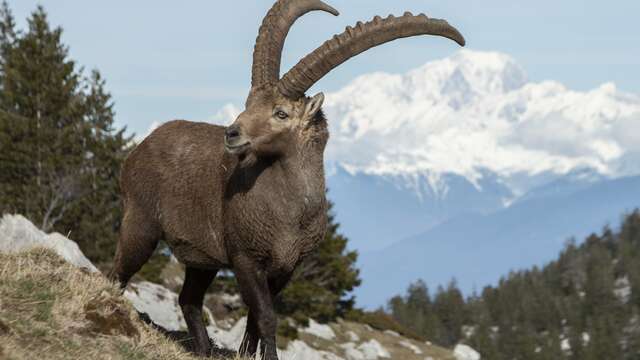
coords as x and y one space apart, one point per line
551 347
59 151
449 305
483 339
416 311
97 216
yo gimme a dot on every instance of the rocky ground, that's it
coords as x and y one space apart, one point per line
54 304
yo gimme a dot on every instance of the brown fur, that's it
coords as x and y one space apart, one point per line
264 208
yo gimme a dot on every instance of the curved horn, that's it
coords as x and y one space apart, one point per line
353 41
271 36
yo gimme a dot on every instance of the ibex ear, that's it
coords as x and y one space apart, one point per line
313 105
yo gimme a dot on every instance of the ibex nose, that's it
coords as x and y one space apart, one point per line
232 132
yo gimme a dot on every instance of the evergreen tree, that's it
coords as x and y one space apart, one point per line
449 304
97 215
59 151
551 348
416 311
483 338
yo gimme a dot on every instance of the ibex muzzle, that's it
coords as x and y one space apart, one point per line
249 197
234 142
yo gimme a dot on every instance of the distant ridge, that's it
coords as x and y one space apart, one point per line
478 249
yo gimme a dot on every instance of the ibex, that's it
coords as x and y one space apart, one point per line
249 197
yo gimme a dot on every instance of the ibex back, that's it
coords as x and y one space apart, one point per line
249 197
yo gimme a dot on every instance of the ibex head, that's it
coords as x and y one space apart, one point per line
277 112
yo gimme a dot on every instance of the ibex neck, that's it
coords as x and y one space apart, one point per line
305 168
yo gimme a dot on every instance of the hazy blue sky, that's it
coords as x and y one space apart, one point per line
164 61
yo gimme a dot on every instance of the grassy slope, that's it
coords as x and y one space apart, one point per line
50 309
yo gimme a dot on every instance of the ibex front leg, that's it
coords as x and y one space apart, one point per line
254 288
249 344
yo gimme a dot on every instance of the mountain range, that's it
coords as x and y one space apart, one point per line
463 168
476 249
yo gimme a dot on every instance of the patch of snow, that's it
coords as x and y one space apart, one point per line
565 345
352 336
160 303
296 350
416 350
320 330
370 350
351 352
230 339
465 352
299 350
226 298
622 289
392 333
17 233
468 331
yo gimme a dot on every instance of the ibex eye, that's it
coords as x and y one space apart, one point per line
281 115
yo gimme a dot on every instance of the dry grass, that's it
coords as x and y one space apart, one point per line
50 309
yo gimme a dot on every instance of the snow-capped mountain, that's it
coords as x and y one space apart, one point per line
475 113
467 134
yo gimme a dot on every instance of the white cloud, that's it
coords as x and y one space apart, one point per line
226 115
154 125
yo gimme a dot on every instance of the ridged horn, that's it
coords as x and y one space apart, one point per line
271 36
354 41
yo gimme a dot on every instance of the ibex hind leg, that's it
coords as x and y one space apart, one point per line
139 236
196 282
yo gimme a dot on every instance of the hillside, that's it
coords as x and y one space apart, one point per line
583 305
50 309
50 292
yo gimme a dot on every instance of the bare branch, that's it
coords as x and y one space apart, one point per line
64 190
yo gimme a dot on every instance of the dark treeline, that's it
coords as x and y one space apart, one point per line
60 153
584 305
